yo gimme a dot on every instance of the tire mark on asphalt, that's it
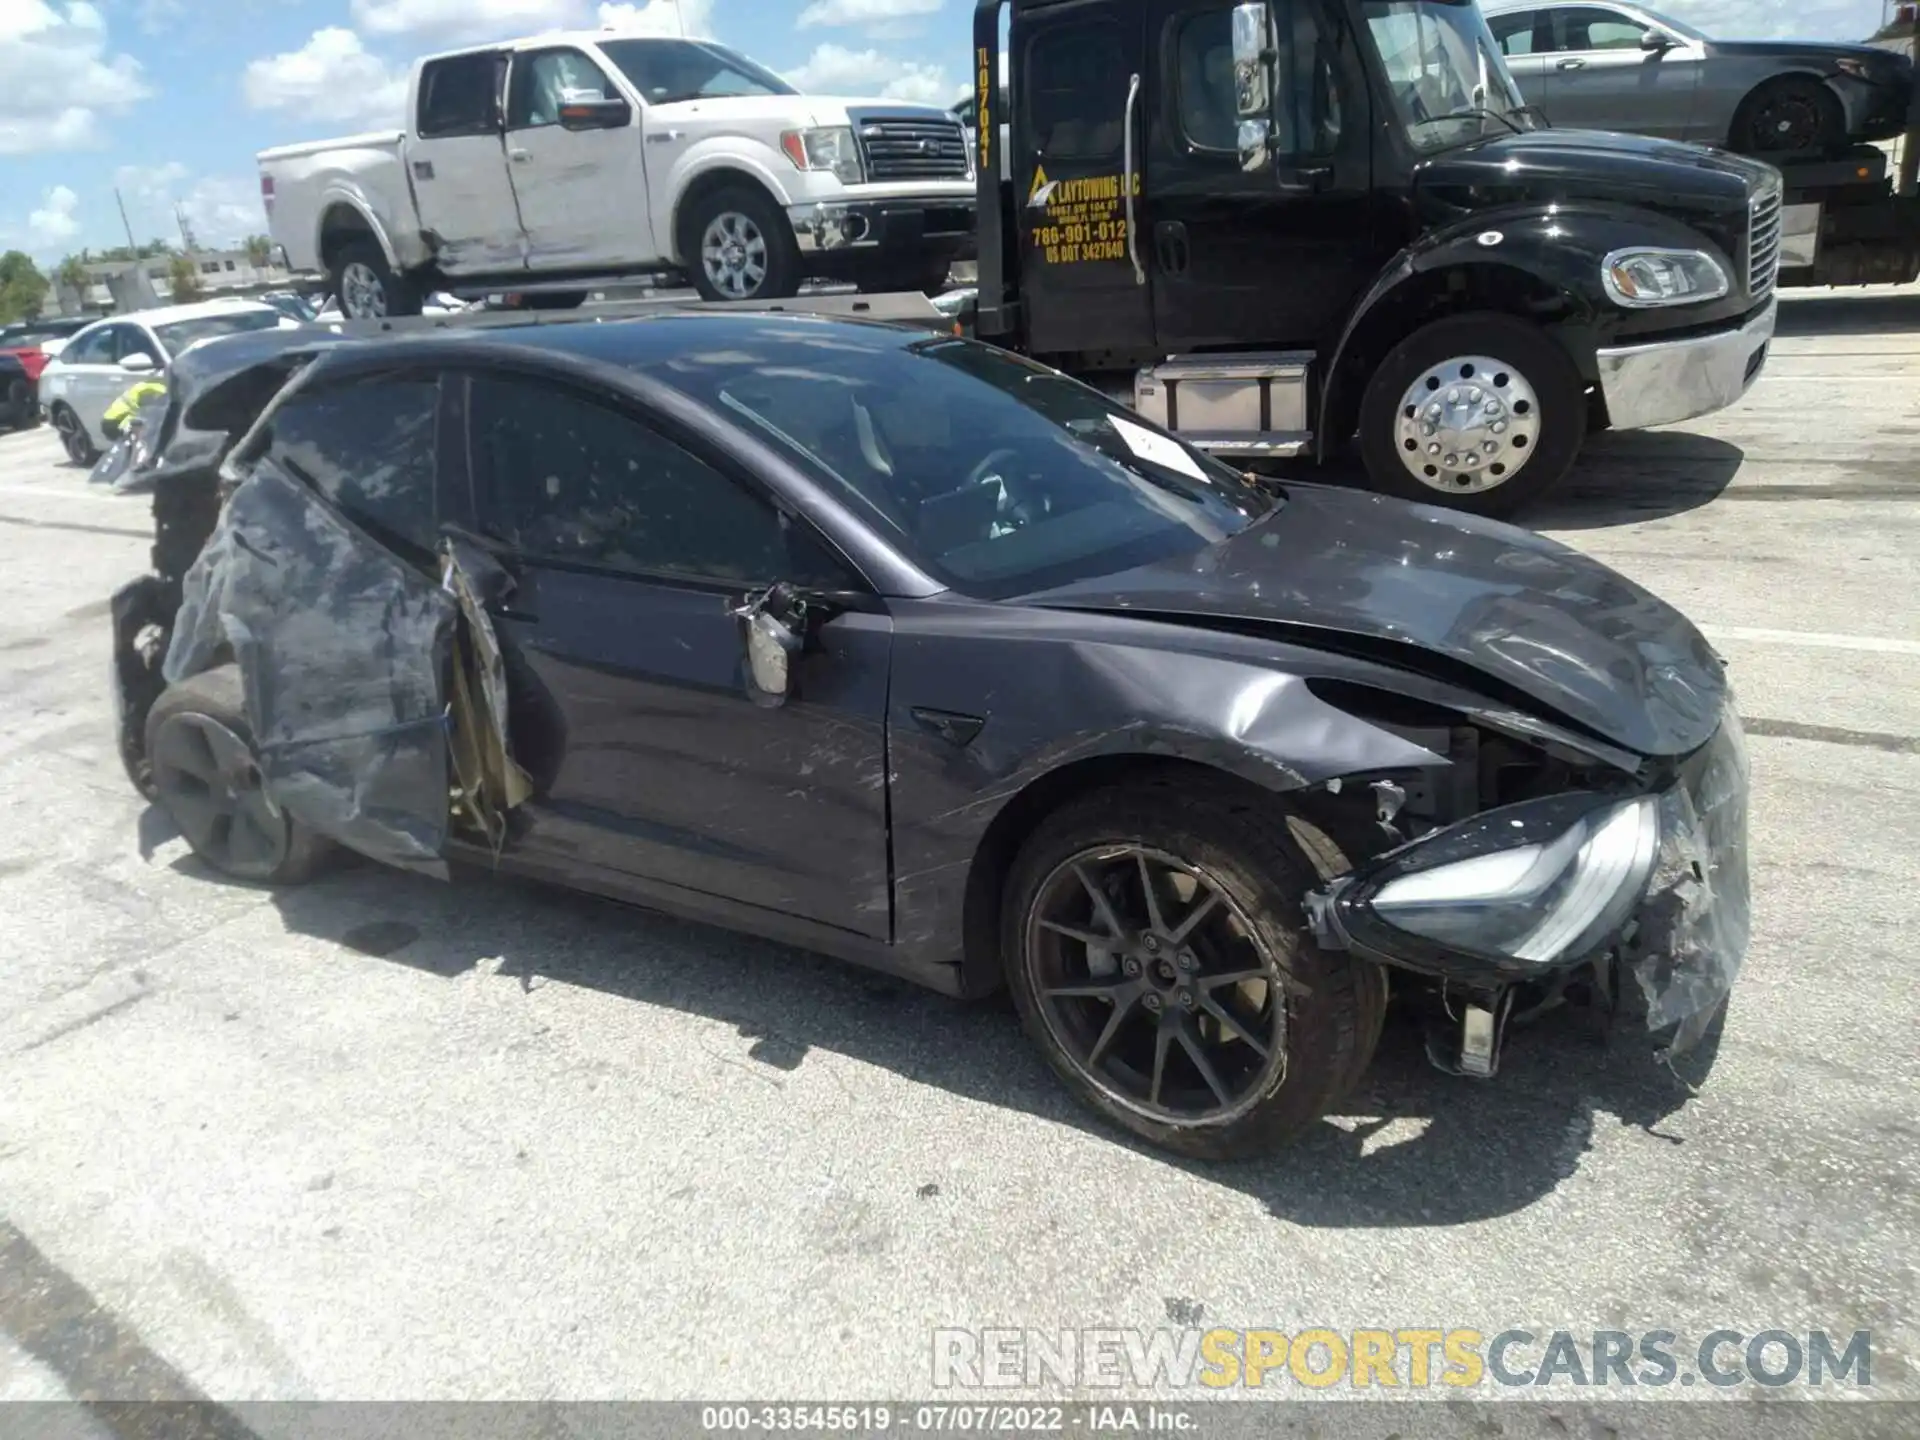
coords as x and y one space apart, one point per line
96 1354
73 1027
1832 735
76 525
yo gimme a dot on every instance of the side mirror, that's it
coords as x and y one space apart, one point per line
595 114
773 622
1253 83
1656 41
138 363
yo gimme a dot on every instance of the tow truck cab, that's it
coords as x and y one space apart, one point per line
1273 225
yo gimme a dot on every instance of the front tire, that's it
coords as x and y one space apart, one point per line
1157 953
1479 412
739 246
1786 116
367 288
205 774
73 436
20 402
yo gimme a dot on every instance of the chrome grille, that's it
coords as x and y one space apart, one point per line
915 149
1763 241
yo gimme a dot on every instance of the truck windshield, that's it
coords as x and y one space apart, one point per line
664 71
1443 71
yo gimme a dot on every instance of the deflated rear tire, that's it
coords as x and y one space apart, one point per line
1158 954
206 775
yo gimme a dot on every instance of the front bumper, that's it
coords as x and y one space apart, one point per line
894 228
1666 381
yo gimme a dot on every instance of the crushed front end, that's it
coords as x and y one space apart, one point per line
1635 898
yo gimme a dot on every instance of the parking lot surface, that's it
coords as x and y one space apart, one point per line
378 1137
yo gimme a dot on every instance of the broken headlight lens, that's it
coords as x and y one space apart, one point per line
1540 881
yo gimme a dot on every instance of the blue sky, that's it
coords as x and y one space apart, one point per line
169 99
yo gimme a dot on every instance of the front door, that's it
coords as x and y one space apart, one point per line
458 166
1271 257
1082 78
628 707
582 193
1599 77
1525 38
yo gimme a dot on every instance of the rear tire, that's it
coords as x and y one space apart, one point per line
1237 846
205 774
1531 392
20 405
366 287
738 245
73 436
1790 115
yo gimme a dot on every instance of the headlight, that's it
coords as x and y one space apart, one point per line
1863 69
1538 882
832 148
1640 278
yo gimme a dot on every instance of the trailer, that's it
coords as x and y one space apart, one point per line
1845 220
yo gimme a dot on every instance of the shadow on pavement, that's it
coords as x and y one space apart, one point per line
1845 313
1626 476
1475 1149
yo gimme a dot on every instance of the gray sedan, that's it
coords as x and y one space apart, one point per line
1622 67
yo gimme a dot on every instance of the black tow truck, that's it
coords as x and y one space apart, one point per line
1845 221
1274 227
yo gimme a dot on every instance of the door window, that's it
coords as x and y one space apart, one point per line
1513 33
460 95
369 448
546 80
1588 28
95 348
1076 90
1306 106
562 477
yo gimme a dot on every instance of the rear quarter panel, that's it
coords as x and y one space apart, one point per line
366 173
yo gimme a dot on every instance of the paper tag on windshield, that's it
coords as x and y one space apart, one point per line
1156 449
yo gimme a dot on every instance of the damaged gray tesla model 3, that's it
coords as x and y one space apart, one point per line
897 647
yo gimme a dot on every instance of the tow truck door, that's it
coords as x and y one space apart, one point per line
1080 81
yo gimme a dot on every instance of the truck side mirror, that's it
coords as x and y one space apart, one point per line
1253 83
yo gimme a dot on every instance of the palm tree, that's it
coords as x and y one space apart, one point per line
259 251
184 277
72 275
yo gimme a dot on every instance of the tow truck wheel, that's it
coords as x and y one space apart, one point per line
1481 412
206 776
366 286
1157 952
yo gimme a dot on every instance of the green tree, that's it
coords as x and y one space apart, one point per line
22 287
259 251
185 276
72 273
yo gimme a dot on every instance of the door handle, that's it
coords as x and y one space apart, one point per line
664 137
1308 181
1573 65
1170 246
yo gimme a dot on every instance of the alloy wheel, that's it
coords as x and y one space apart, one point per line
733 252
1788 122
208 780
1467 425
1156 986
73 436
362 295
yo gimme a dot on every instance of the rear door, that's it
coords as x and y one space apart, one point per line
628 707
1273 256
582 193
1598 77
1527 58
1080 80
457 164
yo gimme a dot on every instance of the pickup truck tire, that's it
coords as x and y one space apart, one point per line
739 246
366 286
1480 412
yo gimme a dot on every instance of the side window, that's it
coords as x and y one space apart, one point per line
137 340
1588 28
545 80
1306 102
460 95
1206 101
94 349
563 477
1513 33
369 448
1076 86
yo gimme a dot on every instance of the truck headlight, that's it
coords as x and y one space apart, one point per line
1541 881
1640 278
830 148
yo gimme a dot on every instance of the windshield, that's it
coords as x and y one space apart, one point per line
995 475
182 333
664 71
1443 71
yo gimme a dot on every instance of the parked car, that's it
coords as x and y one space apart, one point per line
329 311
18 408
883 642
592 156
1627 68
96 366
32 342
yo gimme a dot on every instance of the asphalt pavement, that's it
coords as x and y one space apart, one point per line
384 1138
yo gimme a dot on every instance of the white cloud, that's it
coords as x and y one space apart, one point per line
467 19
53 224
836 69
868 13
221 210
331 77
692 18
57 77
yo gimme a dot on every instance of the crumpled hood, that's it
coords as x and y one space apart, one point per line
1532 616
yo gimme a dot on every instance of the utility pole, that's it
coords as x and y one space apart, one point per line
133 249
187 240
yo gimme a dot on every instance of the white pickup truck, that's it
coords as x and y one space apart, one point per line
551 165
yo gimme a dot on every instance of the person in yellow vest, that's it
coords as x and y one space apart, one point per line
114 422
